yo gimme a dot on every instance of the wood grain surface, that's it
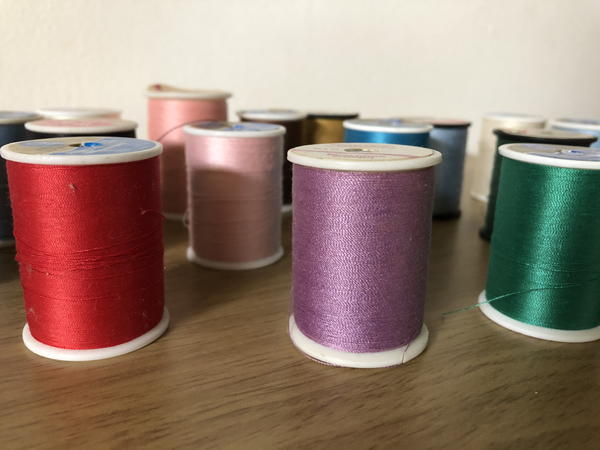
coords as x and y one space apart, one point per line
226 375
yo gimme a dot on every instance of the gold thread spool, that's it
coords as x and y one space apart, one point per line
325 128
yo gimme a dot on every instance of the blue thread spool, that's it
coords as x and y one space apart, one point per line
387 131
12 129
449 137
585 126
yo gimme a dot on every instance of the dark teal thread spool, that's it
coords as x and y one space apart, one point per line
533 136
12 129
543 268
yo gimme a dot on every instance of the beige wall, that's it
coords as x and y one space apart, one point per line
381 57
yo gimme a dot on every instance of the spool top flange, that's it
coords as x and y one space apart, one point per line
398 126
80 151
364 157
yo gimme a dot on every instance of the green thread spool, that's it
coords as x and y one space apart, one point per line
544 271
533 136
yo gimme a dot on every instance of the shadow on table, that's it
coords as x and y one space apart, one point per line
9 269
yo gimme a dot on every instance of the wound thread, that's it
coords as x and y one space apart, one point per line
234 194
360 242
88 232
169 110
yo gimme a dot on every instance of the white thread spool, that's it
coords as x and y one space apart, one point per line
480 188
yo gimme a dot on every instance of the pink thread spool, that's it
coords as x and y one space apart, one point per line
169 109
234 194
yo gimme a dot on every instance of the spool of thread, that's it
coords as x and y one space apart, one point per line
586 126
325 127
88 232
75 113
449 137
292 121
361 234
534 136
480 188
234 194
50 128
387 131
543 271
12 129
169 110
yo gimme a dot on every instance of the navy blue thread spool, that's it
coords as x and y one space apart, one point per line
527 136
449 137
12 129
387 131
49 128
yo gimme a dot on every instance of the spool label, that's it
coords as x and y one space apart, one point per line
564 152
235 126
363 151
78 146
540 133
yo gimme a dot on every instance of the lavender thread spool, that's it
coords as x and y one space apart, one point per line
12 129
361 234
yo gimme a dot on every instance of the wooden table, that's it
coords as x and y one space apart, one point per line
226 375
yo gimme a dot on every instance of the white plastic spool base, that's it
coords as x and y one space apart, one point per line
63 354
220 265
479 197
286 209
341 358
548 334
7 243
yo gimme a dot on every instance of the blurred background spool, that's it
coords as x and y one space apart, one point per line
49 128
293 122
169 109
361 234
536 136
449 137
88 232
480 186
67 112
543 271
234 194
12 129
387 131
325 127
587 126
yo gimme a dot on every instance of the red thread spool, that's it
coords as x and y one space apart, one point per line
169 109
88 232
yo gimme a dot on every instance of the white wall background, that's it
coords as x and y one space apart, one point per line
457 58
